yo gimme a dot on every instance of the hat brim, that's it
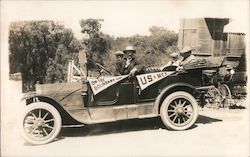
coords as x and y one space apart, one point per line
129 50
174 56
182 52
120 54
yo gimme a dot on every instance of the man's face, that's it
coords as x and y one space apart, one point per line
130 54
174 58
186 54
119 57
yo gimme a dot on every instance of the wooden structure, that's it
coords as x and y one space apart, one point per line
72 69
235 43
206 36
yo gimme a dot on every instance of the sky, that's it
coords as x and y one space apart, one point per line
126 18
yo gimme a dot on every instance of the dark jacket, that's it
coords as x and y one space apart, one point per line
119 67
133 64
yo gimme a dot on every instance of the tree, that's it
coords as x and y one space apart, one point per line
152 50
97 44
57 67
33 44
158 46
161 38
91 26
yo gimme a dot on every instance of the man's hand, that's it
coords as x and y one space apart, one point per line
179 68
132 72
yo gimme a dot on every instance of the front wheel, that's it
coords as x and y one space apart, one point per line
179 111
41 123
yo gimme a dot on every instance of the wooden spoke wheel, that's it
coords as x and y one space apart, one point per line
41 123
179 111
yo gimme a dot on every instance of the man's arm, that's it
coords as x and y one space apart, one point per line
137 68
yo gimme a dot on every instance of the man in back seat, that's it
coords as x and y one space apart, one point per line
187 55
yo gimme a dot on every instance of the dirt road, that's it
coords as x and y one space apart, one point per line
222 132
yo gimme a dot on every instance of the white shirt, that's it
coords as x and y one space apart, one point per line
187 60
171 63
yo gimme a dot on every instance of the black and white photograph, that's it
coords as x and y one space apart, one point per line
125 78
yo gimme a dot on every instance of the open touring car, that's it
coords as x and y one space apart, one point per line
172 95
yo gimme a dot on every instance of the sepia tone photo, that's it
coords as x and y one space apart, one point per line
124 78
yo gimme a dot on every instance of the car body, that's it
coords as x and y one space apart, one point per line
172 95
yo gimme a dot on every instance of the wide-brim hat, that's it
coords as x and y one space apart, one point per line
185 49
129 48
119 53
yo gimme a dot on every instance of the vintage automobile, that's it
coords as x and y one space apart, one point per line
172 95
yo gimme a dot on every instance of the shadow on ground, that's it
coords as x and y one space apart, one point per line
206 120
125 126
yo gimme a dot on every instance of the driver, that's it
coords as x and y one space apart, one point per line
120 63
131 65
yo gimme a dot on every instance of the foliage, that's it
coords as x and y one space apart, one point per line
40 50
152 50
96 43
33 45
90 26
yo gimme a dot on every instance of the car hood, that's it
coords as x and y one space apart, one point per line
56 91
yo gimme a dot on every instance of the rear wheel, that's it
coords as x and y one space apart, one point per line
225 94
179 111
41 123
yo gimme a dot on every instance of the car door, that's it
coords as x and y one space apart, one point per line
111 103
118 94
109 96
126 93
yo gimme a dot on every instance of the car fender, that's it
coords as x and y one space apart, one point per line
28 95
170 89
67 118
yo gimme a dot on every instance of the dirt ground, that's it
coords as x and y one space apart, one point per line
217 132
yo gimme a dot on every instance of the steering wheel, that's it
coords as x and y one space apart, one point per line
102 71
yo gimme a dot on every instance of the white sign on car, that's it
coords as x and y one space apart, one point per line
99 84
146 80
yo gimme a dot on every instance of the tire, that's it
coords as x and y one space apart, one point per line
40 123
179 111
225 94
215 99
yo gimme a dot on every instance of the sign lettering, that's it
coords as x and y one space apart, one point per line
146 80
100 84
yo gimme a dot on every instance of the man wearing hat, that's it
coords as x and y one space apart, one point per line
186 53
131 65
120 63
174 61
